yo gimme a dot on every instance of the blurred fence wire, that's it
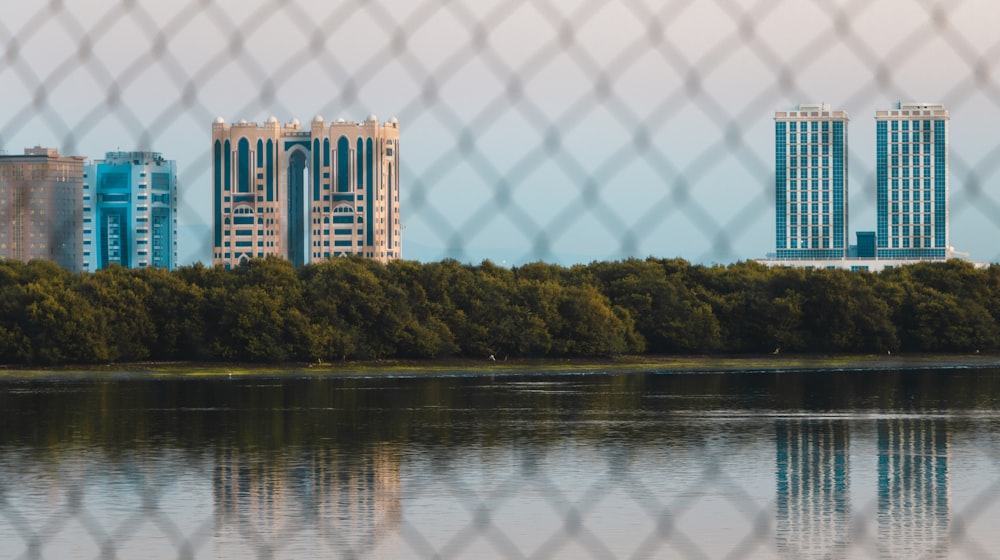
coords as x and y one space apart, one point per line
560 130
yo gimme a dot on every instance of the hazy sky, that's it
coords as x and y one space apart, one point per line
559 130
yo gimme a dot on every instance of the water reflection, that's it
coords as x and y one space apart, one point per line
349 500
913 505
812 471
853 465
813 515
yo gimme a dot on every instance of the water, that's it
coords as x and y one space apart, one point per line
877 464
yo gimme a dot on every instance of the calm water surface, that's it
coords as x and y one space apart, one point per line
879 464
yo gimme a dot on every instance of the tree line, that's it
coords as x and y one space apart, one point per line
356 309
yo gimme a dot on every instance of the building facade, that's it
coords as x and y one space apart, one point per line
811 182
305 195
130 211
912 182
911 190
40 207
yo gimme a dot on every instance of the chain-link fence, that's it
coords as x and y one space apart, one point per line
763 465
560 130
555 130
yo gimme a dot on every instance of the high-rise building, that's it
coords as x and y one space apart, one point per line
912 182
810 144
305 195
130 211
40 207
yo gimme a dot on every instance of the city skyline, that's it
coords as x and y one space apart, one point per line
565 131
911 190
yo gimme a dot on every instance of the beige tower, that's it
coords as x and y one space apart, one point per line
305 195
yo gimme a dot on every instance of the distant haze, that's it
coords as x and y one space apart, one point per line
564 131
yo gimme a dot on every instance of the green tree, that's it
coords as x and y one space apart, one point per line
120 296
62 326
176 307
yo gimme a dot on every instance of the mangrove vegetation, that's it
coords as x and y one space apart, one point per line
356 309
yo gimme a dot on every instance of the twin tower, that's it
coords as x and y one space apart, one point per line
305 195
911 183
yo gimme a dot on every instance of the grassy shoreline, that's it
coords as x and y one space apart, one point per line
464 366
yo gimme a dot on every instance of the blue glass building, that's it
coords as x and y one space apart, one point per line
912 182
130 211
810 146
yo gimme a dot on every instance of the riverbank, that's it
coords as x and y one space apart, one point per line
678 364
465 366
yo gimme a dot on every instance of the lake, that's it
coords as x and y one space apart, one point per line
656 464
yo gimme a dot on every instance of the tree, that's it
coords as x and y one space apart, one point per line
120 297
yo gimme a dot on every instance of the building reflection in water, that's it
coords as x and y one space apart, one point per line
913 504
349 499
813 501
813 505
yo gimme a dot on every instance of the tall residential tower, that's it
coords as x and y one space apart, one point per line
130 211
40 207
305 195
912 182
810 144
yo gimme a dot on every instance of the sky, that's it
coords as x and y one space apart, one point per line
565 131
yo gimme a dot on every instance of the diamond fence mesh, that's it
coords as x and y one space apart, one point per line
557 130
